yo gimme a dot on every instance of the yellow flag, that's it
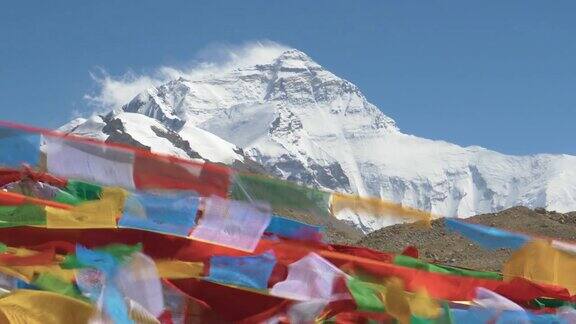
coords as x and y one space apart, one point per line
396 301
376 207
100 213
42 307
26 273
422 305
402 305
540 262
175 269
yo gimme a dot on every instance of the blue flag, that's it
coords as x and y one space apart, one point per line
248 271
19 147
488 237
293 229
170 214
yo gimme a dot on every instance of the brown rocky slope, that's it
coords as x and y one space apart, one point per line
438 245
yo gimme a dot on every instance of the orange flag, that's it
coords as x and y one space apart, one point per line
541 262
376 207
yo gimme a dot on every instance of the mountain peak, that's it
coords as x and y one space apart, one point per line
305 124
294 54
294 59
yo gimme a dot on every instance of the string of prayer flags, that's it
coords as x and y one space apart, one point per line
376 207
19 147
311 277
245 271
213 255
131 168
171 214
541 262
234 224
488 237
109 164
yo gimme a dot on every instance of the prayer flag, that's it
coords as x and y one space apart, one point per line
541 262
290 228
83 190
89 214
42 307
366 295
311 277
19 147
22 215
234 224
94 162
279 193
488 237
164 172
170 214
376 207
306 311
49 282
246 271
176 269
139 281
406 261
112 299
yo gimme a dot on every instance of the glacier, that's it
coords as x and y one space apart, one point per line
302 123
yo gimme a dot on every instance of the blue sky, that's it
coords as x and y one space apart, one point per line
500 74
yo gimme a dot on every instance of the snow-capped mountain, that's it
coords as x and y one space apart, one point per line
305 124
148 133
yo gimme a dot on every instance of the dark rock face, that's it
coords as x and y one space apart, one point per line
331 176
136 106
175 139
117 134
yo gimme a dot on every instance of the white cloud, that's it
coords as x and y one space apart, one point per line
115 91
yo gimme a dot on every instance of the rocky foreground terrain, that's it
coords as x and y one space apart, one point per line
438 245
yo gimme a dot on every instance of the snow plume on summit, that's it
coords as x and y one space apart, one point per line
265 105
115 91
